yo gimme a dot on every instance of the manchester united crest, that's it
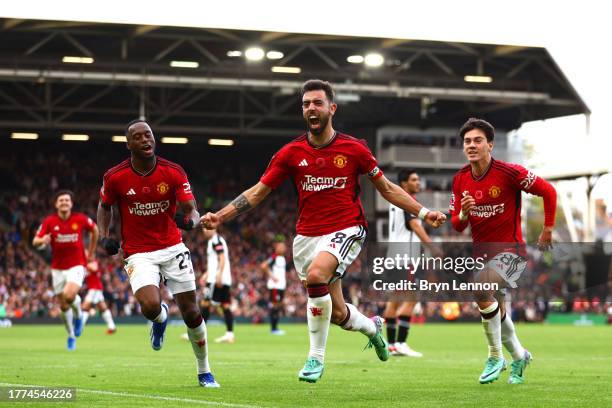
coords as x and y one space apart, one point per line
162 188
340 161
494 191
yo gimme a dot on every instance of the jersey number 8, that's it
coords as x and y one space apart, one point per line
338 238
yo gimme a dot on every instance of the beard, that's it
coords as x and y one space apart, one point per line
322 124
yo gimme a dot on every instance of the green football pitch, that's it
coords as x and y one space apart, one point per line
572 367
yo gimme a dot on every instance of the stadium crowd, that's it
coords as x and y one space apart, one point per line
25 283
30 181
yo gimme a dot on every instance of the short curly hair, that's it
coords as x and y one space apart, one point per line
316 85
475 123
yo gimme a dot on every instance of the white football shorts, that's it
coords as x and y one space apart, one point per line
62 276
345 245
94 296
509 266
172 264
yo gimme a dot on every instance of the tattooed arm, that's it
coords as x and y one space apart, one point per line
241 204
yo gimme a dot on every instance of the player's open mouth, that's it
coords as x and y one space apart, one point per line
147 148
313 120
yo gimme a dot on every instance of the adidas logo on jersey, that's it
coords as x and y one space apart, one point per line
303 163
131 192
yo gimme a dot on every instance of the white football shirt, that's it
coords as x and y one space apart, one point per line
400 231
216 246
278 267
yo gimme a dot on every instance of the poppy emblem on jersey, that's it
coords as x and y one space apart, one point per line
146 190
74 226
494 191
340 161
478 194
320 162
316 311
162 188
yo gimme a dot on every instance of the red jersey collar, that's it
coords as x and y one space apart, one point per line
333 138
59 217
485 172
147 173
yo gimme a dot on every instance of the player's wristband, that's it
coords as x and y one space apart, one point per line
462 216
423 213
182 222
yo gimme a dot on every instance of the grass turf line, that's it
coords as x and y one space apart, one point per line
572 367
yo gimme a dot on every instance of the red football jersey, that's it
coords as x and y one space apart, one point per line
497 214
147 204
327 181
66 239
93 280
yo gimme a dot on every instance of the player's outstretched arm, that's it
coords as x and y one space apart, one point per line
244 202
398 197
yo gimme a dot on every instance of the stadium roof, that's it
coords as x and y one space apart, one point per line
420 83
